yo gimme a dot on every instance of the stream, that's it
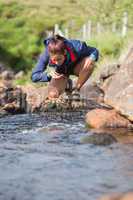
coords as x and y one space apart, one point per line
42 158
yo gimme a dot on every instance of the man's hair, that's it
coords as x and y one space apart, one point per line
57 45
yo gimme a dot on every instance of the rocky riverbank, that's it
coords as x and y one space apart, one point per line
108 104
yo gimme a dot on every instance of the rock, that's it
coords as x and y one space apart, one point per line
5 87
99 139
6 84
92 92
119 89
105 83
35 97
37 102
101 118
121 135
124 136
12 99
7 75
108 71
67 102
19 75
127 56
12 108
124 196
3 112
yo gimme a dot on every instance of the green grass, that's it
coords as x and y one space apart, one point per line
109 44
24 24
112 47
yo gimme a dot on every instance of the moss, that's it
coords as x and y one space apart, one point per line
88 126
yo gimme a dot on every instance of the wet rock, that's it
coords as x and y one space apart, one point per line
66 102
99 139
37 101
123 196
3 112
101 118
12 108
123 135
50 106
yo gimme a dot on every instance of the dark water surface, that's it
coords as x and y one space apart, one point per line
42 159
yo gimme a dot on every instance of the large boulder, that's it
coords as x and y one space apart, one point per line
102 118
92 92
119 89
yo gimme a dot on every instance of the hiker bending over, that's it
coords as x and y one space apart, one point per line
68 57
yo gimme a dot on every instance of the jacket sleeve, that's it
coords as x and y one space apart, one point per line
94 54
84 50
38 73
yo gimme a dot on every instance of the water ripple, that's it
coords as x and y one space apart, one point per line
42 159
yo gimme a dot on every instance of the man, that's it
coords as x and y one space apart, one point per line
68 57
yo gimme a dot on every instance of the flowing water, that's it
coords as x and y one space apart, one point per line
43 159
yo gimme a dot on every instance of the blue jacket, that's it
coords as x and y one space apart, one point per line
76 50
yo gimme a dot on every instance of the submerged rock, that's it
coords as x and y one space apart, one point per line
99 139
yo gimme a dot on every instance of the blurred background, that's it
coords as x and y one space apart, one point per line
105 24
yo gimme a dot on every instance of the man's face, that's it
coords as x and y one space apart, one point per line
58 59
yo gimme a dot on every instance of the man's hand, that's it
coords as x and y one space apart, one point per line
57 75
